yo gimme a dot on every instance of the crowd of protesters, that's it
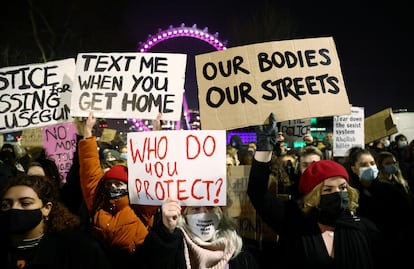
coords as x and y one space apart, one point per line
87 220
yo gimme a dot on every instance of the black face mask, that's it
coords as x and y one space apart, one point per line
115 193
17 221
332 205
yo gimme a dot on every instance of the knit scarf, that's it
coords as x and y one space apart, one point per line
206 255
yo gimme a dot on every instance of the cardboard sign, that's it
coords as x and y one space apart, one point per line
35 95
404 121
129 85
60 144
241 209
295 130
188 165
294 79
379 125
108 135
31 138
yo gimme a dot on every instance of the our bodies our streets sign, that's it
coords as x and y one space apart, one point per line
294 79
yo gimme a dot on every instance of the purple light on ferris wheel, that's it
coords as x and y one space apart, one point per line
174 32
183 31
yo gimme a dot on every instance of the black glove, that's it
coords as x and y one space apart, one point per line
266 135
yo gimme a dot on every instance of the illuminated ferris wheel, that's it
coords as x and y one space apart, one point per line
182 31
153 44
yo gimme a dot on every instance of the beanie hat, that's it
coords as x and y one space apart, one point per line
118 172
317 172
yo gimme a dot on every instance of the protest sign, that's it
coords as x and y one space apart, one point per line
60 144
294 130
108 135
239 207
348 132
404 121
129 85
294 79
188 165
31 138
379 125
35 95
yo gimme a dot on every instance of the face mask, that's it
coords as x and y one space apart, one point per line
368 173
402 144
17 221
123 156
387 143
250 152
391 169
115 193
203 225
332 205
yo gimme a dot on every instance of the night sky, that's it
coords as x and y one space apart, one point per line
372 38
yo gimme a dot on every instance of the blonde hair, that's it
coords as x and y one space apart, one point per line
227 229
312 199
231 154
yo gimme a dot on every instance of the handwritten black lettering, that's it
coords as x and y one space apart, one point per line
28 77
24 119
215 96
210 70
148 102
149 83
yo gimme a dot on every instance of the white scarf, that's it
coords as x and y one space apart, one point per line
206 255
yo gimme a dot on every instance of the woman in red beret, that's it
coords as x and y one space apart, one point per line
322 231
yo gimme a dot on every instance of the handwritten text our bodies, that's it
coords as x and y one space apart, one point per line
278 88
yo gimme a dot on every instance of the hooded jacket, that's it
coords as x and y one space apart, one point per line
115 223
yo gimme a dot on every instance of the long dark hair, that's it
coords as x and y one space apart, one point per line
60 218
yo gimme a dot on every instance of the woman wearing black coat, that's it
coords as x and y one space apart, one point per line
322 231
388 205
37 231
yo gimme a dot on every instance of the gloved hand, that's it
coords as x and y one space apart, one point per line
266 135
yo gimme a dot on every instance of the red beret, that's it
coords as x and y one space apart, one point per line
118 172
318 172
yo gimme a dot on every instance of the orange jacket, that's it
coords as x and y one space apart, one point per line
115 224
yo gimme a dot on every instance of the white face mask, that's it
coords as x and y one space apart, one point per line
203 225
402 144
